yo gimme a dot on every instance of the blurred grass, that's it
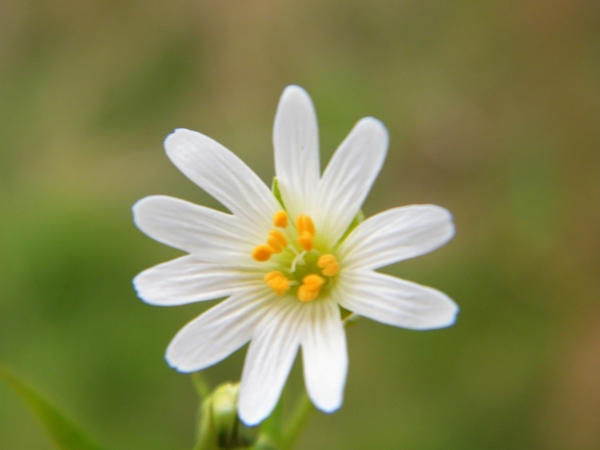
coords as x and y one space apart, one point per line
493 112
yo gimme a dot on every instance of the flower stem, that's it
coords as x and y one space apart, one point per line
201 385
299 417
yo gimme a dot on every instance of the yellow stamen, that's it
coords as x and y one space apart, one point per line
277 241
304 224
310 288
272 275
329 265
280 219
306 232
277 281
313 281
306 241
262 252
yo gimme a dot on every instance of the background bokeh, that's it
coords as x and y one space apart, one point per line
493 108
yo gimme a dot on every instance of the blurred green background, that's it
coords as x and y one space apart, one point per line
493 108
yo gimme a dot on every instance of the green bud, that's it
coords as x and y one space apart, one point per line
224 424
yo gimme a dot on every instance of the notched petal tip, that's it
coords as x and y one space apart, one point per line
138 287
444 218
330 409
328 402
146 292
139 206
178 358
173 139
180 367
250 418
143 210
182 141
177 134
445 315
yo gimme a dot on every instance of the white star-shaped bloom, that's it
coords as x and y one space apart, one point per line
284 260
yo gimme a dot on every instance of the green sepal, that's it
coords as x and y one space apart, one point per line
349 318
62 430
219 424
360 216
277 192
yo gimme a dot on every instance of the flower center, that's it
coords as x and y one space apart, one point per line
302 266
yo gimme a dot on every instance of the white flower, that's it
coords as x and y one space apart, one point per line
285 268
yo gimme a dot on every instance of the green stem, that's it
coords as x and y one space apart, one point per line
298 420
201 385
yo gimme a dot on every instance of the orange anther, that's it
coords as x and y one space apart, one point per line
272 275
325 260
329 265
306 295
331 269
306 241
313 281
304 224
277 281
310 288
262 253
277 241
280 219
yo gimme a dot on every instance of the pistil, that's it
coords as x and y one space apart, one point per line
317 269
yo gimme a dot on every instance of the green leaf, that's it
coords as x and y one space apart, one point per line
63 431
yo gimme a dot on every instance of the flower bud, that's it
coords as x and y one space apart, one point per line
230 433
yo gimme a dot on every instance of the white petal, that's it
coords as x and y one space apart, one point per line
394 301
396 235
269 360
349 177
187 280
296 142
324 355
223 175
218 332
211 235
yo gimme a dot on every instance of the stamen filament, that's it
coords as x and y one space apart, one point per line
298 259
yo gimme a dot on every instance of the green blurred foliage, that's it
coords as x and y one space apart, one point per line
493 109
